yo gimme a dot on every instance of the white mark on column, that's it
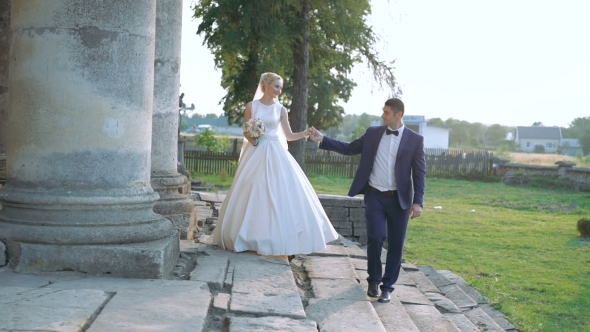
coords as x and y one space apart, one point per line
113 128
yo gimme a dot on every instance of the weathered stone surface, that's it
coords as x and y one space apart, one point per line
443 304
338 289
332 250
393 316
411 295
359 264
356 252
81 179
409 266
436 278
482 320
3 259
497 316
329 267
404 279
341 201
427 318
221 301
357 215
138 260
462 322
264 286
337 213
49 309
246 324
167 307
211 270
344 315
455 294
422 282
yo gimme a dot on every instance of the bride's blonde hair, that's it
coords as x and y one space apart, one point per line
267 79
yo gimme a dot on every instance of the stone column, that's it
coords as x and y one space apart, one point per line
78 195
4 55
174 202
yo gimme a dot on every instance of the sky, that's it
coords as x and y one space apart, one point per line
508 62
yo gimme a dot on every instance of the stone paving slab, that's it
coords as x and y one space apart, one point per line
427 318
473 293
497 316
169 308
422 282
411 295
359 264
455 294
329 267
482 320
393 316
356 252
264 286
338 289
463 323
331 250
249 324
409 267
344 315
443 304
436 278
27 309
212 270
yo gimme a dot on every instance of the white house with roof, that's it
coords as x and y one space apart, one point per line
434 137
528 137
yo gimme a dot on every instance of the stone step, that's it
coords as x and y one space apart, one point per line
471 302
340 303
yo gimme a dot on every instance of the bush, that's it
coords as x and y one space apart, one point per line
584 227
539 149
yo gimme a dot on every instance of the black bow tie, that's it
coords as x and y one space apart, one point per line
395 132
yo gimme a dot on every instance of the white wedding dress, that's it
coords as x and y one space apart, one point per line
271 207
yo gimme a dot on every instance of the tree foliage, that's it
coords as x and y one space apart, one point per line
579 128
207 138
249 37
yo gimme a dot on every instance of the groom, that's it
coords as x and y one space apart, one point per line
391 175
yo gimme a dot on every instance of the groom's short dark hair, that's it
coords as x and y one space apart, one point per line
395 104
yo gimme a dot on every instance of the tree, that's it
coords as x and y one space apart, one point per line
495 135
580 128
208 139
537 124
248 37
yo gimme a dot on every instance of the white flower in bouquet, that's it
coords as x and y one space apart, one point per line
255 128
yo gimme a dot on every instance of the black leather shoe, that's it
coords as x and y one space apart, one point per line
385 296
373 291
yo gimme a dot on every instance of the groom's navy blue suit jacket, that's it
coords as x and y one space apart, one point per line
410 167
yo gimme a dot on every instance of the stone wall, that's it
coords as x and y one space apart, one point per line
347 215
578 175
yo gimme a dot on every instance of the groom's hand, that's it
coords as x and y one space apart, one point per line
315 135
415 211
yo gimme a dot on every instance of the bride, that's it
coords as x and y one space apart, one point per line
271 207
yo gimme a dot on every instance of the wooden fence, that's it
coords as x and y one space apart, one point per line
439 162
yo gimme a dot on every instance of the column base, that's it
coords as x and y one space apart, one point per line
182 222
150 260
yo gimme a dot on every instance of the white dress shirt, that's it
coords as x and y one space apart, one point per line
383 174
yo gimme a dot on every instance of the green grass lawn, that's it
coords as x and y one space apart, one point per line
518 246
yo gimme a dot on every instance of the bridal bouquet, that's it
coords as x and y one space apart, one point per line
255 128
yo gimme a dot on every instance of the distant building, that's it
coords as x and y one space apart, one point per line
570 146
529 137
434 137
219 125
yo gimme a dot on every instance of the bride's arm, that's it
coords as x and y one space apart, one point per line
291 136
247 117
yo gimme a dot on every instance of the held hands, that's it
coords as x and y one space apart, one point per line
315 134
